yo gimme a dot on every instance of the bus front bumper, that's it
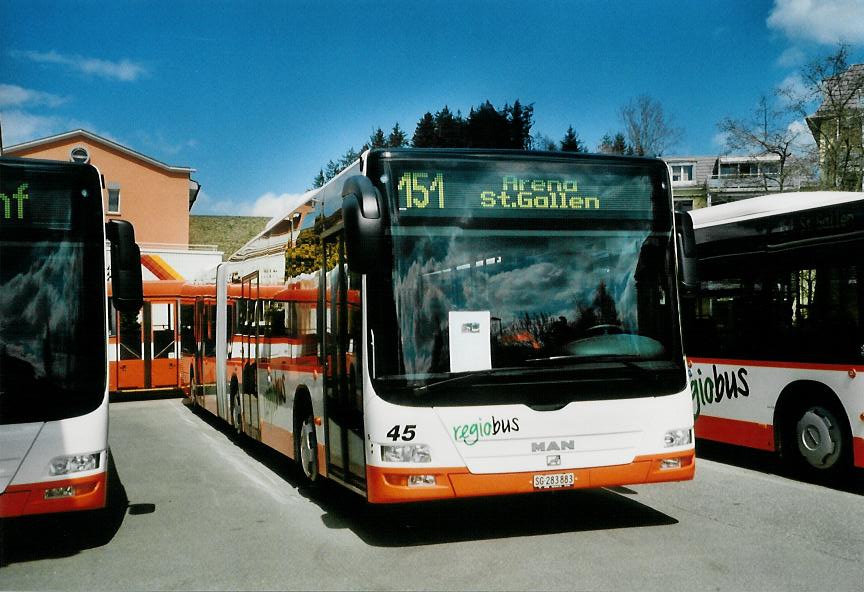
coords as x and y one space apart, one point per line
390 485
67 495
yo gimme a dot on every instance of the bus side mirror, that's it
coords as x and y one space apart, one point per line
685 241
364 224
127 293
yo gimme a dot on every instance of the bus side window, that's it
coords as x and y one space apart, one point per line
187 329
112 319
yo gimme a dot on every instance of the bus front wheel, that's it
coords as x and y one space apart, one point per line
820 444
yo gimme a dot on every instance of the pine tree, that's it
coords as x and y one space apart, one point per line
571 142
449 129
397 138
377 139
617 145
424 134
487 128
520 120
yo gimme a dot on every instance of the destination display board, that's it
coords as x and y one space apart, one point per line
43 202
521 188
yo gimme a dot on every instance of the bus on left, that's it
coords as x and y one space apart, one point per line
53 330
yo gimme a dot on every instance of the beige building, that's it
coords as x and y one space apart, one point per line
153 196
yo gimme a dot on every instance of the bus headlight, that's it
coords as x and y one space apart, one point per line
405 453
63 465
680 437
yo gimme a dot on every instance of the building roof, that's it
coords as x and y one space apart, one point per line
846 91
81 133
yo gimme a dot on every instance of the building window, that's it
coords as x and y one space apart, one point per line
682 173
113 198
79 154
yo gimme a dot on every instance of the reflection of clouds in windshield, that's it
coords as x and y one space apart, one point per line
543 286
38 307
423 309
511 277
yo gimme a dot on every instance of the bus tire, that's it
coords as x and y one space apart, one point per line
306 443
817 439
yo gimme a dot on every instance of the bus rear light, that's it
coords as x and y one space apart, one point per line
679 437
63 465
406 453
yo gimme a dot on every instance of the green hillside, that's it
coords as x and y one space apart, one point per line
229 233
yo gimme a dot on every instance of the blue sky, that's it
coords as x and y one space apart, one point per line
257 96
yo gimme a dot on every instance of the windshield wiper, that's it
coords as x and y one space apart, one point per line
453 380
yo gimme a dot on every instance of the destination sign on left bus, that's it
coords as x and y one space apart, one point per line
24 206
444 188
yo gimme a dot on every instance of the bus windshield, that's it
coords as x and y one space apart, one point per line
52 350
526 271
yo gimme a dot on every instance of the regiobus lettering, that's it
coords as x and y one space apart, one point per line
484 429
708 390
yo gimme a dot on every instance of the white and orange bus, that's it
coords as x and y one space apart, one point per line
53 329
775 336
435 324
166 346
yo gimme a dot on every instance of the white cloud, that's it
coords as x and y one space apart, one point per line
20 126
208 205
719 140
270 204
800 128
157 142
12 95
792 57
823 21
123 70
267 205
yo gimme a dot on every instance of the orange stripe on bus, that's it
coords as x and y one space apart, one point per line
277 438
734 431
386 485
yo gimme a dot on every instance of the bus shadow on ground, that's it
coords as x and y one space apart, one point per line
432 523
52 536
770 463
466 520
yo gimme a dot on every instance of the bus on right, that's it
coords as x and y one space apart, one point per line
773 333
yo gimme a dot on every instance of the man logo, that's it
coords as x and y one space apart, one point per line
553 460
553 445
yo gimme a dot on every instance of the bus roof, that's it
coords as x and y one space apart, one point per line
770 205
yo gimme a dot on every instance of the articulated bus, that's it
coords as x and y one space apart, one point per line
434 324
53 329
168 345
775 334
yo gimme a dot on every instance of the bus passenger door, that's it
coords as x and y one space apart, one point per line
343 400
249 354
163 367
130 349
